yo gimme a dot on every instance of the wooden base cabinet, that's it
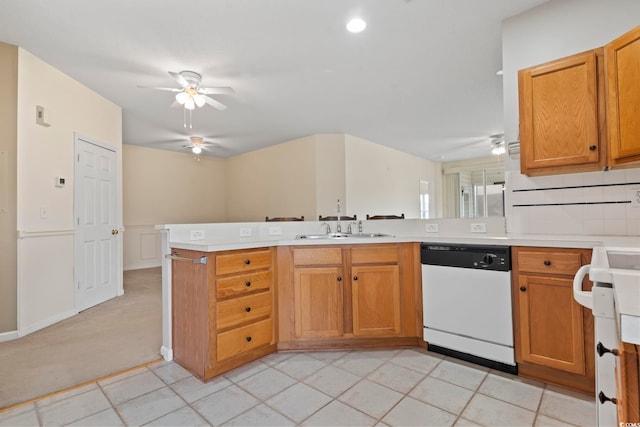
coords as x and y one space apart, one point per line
553 333
628 384
349 296
222 311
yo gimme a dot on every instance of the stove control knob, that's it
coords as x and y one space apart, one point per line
488 259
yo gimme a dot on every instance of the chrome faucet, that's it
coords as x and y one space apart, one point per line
328 227
339 227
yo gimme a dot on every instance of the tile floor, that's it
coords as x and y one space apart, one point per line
408 387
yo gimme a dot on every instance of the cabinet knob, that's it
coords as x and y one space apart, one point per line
593 148
355 277
602 350
547 262
248 309
248 339
247 261
523 288
603 398
339 279
247 284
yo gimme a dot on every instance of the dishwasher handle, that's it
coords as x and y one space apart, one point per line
583 298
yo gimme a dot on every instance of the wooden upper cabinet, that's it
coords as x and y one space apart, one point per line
622 63
560 117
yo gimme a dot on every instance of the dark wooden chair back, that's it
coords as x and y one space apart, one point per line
385 216
335 218
291 218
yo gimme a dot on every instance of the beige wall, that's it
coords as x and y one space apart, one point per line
165 187
45 245
381 180
274 181
8 186
330 175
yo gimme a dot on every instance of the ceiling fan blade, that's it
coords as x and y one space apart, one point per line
181 80
216 90
170 89
214 103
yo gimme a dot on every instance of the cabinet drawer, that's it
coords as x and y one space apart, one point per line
549 262
317 256
374 255
239 262
243 309
243 283
246 338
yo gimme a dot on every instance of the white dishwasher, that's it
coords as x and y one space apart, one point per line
466 297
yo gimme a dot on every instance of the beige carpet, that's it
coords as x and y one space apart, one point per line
121 333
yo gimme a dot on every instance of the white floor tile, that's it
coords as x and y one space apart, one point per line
371 398
465 423
260 415
396 377
441 394
328 356
459 374
74 408
57 397
275 358
171 373
512 391
150 406
132 387
185 416
544 421
331 380
300 366
338 414
266 383
225 404
108 417
412 412
298 402
359 363
192 389
492 412
418 361
567 408
246 371
123 376
21 416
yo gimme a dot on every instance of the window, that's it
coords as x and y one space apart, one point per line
424 199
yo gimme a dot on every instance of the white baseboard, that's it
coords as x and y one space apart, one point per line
46 322
167 353
8 336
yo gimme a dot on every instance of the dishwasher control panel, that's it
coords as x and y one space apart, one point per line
485 257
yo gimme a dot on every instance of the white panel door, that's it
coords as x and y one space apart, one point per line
97 236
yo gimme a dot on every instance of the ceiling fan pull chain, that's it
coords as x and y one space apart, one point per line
184 117
190 119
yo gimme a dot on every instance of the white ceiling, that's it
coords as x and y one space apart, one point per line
421 78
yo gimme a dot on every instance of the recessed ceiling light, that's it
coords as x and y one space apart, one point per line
356 25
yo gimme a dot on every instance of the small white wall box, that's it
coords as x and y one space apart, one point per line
60 181
42 118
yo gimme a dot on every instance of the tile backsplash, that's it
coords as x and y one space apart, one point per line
592 203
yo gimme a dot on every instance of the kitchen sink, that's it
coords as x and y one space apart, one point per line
341 235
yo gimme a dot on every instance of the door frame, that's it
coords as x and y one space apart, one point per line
77 140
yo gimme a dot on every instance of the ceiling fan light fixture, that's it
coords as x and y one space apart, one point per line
356 25
199 100
498 149
196 149
182 97
189 104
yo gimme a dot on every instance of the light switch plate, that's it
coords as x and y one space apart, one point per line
275 231
479 227
197 234
432 228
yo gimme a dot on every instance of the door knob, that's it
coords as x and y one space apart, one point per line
602 350
114 232
523 289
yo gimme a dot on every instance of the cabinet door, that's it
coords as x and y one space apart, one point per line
318 299
559 115
376 300
622 63
551 328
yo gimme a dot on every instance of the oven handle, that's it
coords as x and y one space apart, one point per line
582 297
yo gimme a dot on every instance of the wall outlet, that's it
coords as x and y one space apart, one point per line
245 232
197 234
432 228
44 213
275 231
479 227
634 195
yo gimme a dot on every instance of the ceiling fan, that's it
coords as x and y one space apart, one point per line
197 144
190 95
